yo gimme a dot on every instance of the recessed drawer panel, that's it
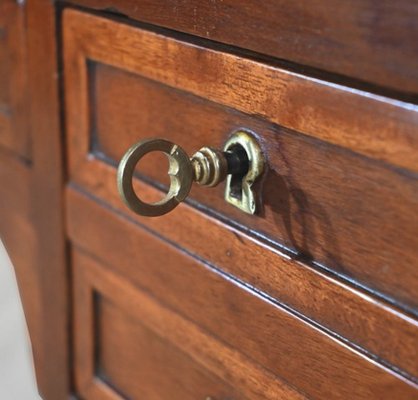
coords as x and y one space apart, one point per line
341 185
129 352
194 312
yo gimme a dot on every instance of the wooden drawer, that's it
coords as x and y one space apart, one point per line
309 298
340 191
149 287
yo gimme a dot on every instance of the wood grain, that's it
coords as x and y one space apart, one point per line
373 41
142 364
351 214
210 361
14 134
30 176
46 203
285 345
372 325
371 125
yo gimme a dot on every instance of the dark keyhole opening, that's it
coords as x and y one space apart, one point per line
238 165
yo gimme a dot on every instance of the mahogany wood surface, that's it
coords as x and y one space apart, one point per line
353 215
219 368
372 125
305 357
13 79
316 298
47 200
152 367
371 40
340 225
31 172
379 330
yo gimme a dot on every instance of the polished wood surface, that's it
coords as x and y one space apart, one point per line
31 170
339 226
46 186
314 298
379 330
371 125
372 41
261 330
342 229
212 358
302 211
152 366
14 134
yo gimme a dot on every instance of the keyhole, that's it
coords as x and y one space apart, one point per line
240 185
237 177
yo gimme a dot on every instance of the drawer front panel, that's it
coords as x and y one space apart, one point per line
330 195
289 348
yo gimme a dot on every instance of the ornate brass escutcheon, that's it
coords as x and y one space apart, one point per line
241 162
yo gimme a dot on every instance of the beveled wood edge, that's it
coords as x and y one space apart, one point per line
204 349
390 327
372 125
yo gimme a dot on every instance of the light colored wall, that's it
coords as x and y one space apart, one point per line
17 380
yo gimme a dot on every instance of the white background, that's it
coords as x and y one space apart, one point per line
17 380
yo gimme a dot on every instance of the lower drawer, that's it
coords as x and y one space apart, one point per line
149 318
129 345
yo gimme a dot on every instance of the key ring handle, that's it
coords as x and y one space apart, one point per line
180 172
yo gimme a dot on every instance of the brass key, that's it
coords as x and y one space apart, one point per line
207 167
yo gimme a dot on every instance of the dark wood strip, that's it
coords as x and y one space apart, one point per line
373 41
